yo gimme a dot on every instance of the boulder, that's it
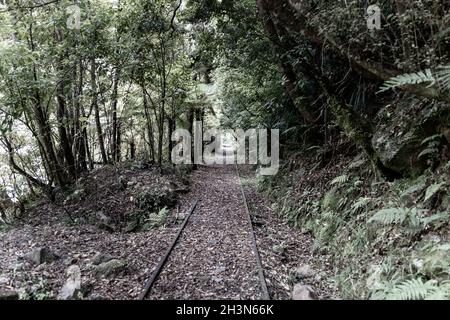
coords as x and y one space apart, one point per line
110 268
41 255
374 281
398 138
8 295
72 288
132 226
97 296
100 258
76 196
133 182
152 200
104 222
302 292
181 216
123 183
304 271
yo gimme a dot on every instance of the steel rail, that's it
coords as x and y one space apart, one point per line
149 284
262 279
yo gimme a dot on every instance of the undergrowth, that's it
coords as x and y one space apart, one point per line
385 240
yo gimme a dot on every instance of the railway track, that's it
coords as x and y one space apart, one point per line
262 278
155 274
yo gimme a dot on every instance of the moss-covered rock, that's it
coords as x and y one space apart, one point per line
110 268
154 199
399 136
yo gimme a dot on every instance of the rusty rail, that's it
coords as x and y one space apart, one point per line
148 286
262 278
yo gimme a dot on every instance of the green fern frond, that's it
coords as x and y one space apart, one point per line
409 79
428 152
356 164
443 77
439 294
419 185
330 201
443 247
414 289
360 203
436 220
340 180
432 139
432 190
390 216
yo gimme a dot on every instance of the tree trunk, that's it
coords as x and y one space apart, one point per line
171 129
80 144
114 101
119 142
98 123
65 144
151 138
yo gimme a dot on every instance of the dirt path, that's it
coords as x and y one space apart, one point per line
214 258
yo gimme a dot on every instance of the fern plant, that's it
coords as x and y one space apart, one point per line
441 77
339 180
414 289
392 216
360 204
420 77
433 190
432 146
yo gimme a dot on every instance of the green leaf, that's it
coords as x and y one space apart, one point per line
432 190
409 79
414 289
390 216
340 180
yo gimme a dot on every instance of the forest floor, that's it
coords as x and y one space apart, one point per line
212 260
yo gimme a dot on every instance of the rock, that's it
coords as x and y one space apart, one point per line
77 195
217 279
104 222
302 292
110 268
132 226
397 140
153 200
96 296
132 183
123 183
17 267
8 295
304 271
70 261
373 282
100 258
181 216
279 248
72 288
41 255
4 279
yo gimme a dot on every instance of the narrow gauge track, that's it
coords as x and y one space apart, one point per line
154 276
262 278
148 286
